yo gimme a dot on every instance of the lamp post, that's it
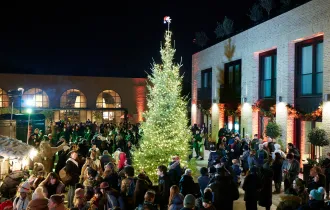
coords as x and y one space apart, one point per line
12 94
29 111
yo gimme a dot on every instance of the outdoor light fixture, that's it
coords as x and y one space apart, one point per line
244 99
214 101
280 99
326 97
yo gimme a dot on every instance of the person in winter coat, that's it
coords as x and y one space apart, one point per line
174 170
72 168
277 169
52 185
108 199
213 156
265 198
148 203
187 184
203 180
290 169
208 201
79 200
237 171
289 200
189 202
299 186
21 202
251 186
278 150
316 179
56 202
176 199
316 201
39 201
294 151
143 184
163 187
224 189
244 158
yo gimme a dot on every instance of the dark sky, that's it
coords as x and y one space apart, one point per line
117 38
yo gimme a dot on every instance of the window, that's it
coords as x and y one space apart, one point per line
73 98
310 67
4 99
108 99
233 77
207 78
35 97
267 68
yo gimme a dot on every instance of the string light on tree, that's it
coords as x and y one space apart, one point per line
165 131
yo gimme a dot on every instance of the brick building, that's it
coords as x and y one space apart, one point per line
77 98
283 61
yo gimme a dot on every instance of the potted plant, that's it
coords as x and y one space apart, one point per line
273 130
318 138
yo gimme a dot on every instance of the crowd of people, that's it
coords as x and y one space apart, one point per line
94 171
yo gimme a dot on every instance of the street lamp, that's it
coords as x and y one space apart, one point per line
29 111
12 94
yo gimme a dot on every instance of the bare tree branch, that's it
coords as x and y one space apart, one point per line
201 39
255 13
267 5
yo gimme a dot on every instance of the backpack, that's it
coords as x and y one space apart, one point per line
131 188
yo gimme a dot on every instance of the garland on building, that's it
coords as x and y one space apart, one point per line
315 115
230 111
266 108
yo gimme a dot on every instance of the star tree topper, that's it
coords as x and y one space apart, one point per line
167 20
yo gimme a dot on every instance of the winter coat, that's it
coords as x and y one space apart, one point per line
251 186
177 202
252 161
72 168
237 172
265 198
112 180
59 188
187 185
141 187
175 172
293 171
224 191
278 150
163 190
312 185
277 169
214 155
203 181
289 202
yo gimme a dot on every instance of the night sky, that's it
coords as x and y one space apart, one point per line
101 39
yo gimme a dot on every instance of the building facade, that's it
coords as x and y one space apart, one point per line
280 66
76 98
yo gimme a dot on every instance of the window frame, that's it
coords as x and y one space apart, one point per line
273 73
226 76
64 99
298 66
207 72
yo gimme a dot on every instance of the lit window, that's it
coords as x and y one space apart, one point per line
35 97
4 99
73 98
267 72
108 99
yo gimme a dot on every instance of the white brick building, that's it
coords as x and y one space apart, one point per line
291 51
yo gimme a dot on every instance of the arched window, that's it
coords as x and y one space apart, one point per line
108 99
4 99
35 97
73 98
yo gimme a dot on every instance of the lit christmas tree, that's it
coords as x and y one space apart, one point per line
165 131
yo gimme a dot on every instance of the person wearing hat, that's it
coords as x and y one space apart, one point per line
189 202
316 199
108 200
56 202
72 169
21 202
207 201
79 201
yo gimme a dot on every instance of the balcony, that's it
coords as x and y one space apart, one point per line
308 104
230 94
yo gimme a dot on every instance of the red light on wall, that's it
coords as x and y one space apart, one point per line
302 142
140 96
221 115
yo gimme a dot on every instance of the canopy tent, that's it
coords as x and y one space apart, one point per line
11 148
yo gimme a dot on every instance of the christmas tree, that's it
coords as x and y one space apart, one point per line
165 131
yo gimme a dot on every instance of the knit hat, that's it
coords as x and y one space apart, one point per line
25 188
189 201
58 199
317 194
207 198
79 193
